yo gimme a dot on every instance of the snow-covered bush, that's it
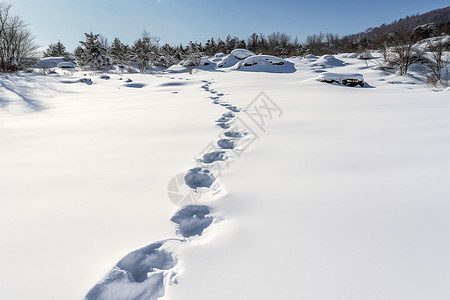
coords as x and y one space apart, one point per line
352 79
266 63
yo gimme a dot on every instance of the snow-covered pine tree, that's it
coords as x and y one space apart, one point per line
119 52
92 53
210 47
56 50
145 51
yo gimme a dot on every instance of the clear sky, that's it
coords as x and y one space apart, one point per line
178 21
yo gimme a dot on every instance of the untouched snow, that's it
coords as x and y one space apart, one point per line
242 53
341 193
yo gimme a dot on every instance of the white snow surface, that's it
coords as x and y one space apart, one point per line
228 61
341 194
242 53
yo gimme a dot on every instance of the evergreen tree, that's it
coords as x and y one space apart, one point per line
92 53
144 51
56 50
119 52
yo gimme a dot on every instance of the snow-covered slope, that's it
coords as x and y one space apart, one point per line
318 191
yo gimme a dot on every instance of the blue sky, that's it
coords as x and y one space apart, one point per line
178 21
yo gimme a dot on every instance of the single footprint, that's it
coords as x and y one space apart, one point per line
228 115
88 81
223 120
234 134
233 108
199 177
226 144
211 157
223 125
139 275
192 220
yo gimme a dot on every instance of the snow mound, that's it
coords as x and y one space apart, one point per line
228 61
218 57
199 177
241 53
49 62
267 63
352 79
235 57
352 55
139 275
328 61
310 56
192 220
365 55
205 62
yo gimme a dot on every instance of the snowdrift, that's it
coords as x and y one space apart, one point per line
234 57
328 61
49 62
242 53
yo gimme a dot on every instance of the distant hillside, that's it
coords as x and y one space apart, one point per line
439 17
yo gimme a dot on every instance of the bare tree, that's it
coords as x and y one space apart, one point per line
403 51
437 62
17 47
314 43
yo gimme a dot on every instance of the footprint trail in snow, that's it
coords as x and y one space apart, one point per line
145 274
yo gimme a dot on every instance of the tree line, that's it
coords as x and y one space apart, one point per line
395 41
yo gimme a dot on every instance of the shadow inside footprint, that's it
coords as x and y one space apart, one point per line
226 144
199 177
140 262
223 120
135 85
233 108
192 220
211 157
228 115
88 81
234 134
223 125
